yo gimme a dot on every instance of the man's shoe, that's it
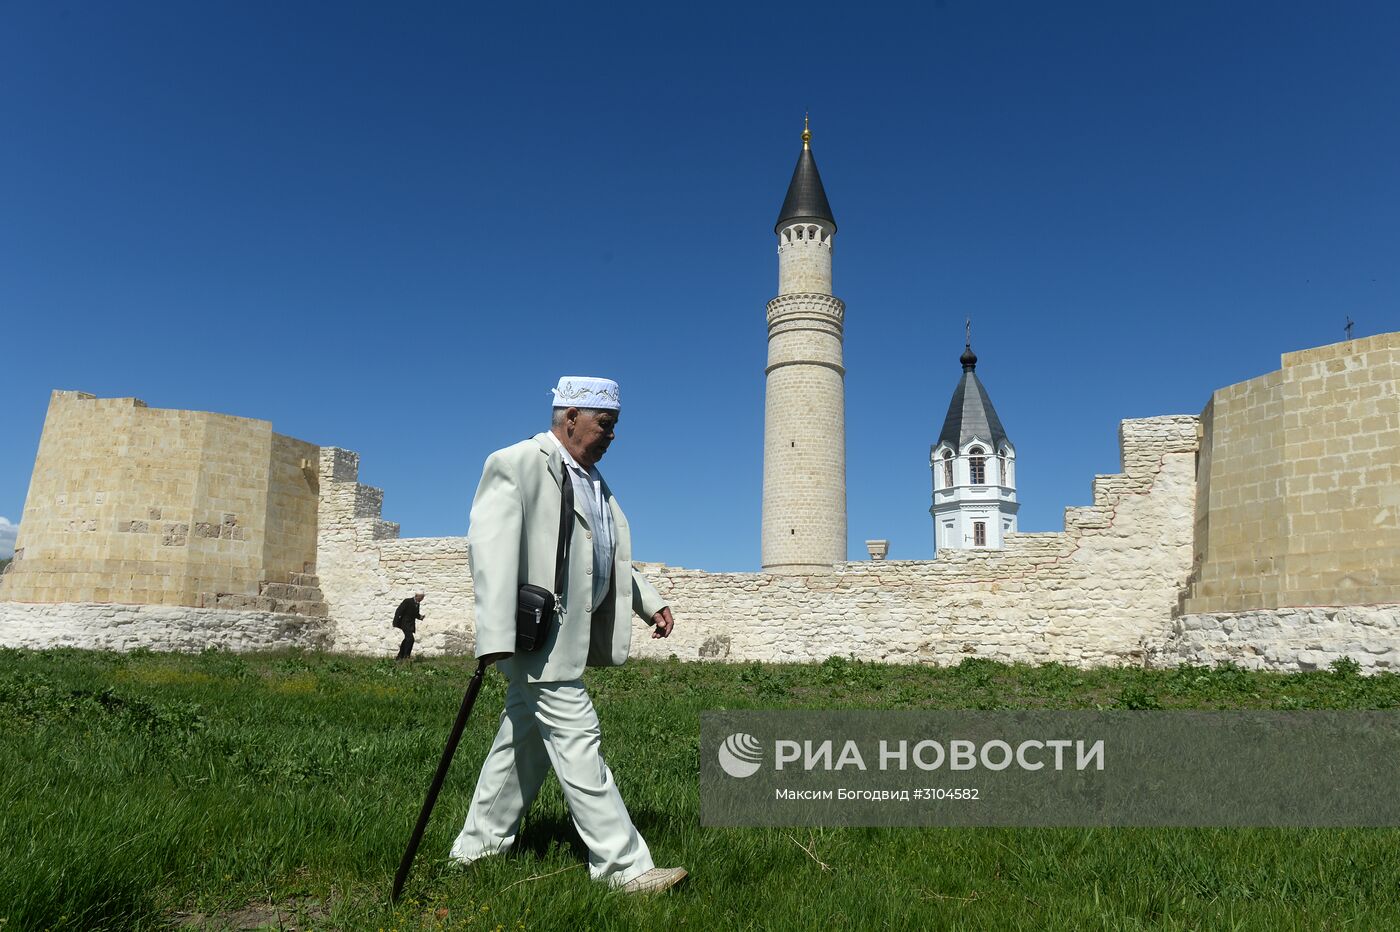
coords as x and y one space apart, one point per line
655 880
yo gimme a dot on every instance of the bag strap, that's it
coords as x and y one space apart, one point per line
566 532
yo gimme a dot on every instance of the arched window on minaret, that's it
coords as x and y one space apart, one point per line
976 466
947 469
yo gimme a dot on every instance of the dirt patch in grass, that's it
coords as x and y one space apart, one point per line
294 915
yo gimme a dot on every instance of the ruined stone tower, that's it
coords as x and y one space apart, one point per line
804 428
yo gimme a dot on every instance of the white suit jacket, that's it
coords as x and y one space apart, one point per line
512 540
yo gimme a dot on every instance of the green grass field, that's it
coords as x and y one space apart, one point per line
148 791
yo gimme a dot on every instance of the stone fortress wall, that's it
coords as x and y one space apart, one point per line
367 569
1297 520
1299 488
137 505
1146 574
1101 591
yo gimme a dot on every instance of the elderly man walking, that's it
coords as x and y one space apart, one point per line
549 719
406 618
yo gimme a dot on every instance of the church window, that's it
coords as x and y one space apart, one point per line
979 533
977 466
947 469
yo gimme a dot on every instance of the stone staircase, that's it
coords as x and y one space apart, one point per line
287 593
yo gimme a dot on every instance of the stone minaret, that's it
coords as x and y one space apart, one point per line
804 427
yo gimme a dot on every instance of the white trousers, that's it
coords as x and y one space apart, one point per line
546 724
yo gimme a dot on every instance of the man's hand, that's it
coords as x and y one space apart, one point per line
663 623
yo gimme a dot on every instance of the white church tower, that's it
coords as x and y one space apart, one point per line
804 426
974 470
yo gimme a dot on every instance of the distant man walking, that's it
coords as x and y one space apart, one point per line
549 719
406 617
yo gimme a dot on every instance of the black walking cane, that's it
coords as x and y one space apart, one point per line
463 714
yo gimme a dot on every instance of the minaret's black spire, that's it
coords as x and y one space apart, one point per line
806 198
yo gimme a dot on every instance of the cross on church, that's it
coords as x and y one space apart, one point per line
968 324
1350 323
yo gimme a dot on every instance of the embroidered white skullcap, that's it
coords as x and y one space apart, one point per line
581 391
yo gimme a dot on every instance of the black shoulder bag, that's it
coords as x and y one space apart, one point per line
535 605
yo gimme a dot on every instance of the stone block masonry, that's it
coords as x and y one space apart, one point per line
804 427
366 569
145 506
1288 639
1272 541
1299 484
155 627
1101 591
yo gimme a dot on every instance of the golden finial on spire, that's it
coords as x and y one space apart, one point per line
806 132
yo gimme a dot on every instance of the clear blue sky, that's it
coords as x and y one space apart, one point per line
390 227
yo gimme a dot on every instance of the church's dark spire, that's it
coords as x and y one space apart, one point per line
970 413
806 198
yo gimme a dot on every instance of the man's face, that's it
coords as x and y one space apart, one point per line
591 433
418 598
